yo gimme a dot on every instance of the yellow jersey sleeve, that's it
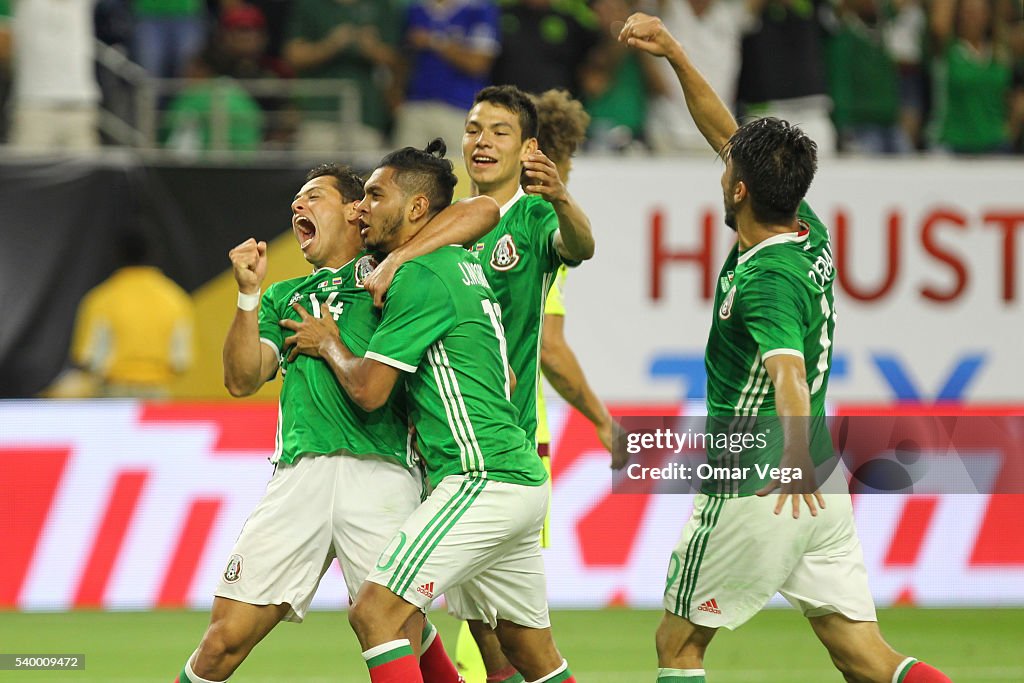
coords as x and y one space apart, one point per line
555 303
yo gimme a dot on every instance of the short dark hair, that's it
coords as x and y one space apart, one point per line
424 170
562 124
516 101
776 160
348 182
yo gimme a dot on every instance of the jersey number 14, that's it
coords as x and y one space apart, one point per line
334 308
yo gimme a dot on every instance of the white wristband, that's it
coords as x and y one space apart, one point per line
249 302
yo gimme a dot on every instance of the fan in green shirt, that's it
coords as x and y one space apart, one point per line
972 79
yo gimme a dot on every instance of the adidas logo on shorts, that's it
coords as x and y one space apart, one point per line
710 606
427 589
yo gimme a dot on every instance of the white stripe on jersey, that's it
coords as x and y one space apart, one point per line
443 389
455 408
761 393
747 406
462 406
751 387
278 438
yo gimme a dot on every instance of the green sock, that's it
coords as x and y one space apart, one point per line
681 676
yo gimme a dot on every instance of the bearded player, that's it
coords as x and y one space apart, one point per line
769 353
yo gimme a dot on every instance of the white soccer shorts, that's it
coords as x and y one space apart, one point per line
314 510
477 541
735 554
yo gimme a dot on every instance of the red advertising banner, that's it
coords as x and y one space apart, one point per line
134 505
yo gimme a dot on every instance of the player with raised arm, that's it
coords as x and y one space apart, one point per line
344 480
768 353
442 334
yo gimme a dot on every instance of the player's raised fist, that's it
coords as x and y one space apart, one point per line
647 33
249 264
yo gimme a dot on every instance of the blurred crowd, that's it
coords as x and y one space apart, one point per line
861 76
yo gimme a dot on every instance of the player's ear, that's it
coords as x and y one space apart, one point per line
419 206
529 147
739 191
352 211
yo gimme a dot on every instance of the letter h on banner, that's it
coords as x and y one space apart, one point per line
662 254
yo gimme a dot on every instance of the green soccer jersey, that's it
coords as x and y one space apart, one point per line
316 416
442 324
520 261
772 299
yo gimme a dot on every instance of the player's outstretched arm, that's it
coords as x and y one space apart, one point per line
713 118
563 371
464 222
366 381
248 363
574 240
793 406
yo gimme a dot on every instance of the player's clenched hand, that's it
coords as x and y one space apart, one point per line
796 490
647 33
249 264
312 335
542 177
378 281
613 438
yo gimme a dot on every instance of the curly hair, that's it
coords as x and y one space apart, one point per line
561 124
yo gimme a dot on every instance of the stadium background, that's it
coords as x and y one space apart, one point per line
116 516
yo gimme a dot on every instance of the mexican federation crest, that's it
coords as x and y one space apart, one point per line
364 266
505 255
233 572
725 310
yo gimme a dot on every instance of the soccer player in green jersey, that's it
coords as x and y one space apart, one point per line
541 228
343 481
768 353
441 333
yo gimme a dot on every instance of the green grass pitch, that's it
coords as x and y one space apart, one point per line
608 646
